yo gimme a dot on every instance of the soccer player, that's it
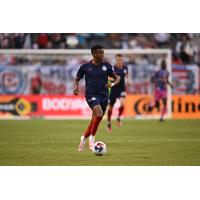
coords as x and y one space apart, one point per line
160 80
96 74
118 91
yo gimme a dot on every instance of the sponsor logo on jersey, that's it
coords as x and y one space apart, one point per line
104 68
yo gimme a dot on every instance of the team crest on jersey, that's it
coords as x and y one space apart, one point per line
104 68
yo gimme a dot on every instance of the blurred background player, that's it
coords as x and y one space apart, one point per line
160 80
96 74
118 91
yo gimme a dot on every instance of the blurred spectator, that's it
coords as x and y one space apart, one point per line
186 59
162 39
18 40
185 47
42 40
36 84
176 60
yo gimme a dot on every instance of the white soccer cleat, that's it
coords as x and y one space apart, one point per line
82 144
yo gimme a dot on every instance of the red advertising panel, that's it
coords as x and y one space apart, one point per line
43 106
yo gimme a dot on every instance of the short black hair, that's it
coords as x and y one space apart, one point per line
95 48
118 55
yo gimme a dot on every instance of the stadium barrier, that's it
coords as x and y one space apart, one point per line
30 106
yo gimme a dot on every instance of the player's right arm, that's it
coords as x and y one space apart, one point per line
153 78
78 77
75 83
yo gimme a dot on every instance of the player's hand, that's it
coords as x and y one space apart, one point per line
109 85
76 92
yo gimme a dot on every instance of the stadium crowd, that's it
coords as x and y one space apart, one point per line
185 47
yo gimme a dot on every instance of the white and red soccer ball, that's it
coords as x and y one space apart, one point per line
99 148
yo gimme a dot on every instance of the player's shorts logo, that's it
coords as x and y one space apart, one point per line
104 68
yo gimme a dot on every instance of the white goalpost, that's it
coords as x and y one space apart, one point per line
141 63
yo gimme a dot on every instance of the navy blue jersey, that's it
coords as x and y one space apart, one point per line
122 72
96 78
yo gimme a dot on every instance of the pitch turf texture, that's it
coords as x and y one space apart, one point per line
54 142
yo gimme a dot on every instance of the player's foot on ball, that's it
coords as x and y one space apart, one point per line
109 128
91 145
119 122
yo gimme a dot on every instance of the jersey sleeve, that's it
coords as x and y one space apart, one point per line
81 72
111 71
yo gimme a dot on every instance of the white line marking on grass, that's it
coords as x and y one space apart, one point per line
108 141
154 141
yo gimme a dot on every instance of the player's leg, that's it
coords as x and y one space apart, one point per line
92 102
96 119
164 109
155 103
121 110
109 115
85 135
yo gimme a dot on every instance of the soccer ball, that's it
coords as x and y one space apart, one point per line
99 148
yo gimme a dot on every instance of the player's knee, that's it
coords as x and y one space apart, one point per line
121 106
110 107
111 104
99 116
122 101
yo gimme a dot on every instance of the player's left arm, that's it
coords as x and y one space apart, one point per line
116 80
168 82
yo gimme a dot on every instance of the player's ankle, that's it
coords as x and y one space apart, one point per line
83 138
91 138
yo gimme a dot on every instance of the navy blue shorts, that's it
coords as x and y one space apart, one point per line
114 95
94 100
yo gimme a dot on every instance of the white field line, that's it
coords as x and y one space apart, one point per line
110 141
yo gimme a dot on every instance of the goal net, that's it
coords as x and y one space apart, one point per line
57 68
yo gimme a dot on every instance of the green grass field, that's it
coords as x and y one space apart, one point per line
138 142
